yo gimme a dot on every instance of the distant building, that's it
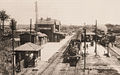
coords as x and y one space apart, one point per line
27 37
37 38
18 32
49 27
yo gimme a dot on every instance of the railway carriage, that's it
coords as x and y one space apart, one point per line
90 36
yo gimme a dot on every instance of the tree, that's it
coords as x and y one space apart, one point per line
13 24
3 18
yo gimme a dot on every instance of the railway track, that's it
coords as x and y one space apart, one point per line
75 70
55 61
51 67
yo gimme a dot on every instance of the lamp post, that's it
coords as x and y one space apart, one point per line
13 27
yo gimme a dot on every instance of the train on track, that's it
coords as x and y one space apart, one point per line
106 39
71 54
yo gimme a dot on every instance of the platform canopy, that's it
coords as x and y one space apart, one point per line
60 33
28 47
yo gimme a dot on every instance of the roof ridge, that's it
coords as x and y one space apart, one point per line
30 45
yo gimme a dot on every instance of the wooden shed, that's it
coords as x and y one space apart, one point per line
26 55
27 37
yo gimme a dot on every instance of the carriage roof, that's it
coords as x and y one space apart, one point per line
89 33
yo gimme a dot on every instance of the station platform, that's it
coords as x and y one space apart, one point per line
51 48
100 61
91 49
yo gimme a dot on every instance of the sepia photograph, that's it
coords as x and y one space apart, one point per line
59 37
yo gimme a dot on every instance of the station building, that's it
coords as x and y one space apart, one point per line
51 27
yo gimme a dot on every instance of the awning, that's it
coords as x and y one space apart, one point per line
16 39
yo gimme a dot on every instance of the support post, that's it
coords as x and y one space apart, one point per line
13 51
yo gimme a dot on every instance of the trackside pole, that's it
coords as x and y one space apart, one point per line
96 39
84 49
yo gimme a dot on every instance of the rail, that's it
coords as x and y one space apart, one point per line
117 54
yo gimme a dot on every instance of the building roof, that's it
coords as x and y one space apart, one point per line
28 47
41 34
49 21
27 33
25 30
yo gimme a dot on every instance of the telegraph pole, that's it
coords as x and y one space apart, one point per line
13 50
96 38
13 27
84 48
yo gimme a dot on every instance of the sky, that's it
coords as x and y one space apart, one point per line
75 12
